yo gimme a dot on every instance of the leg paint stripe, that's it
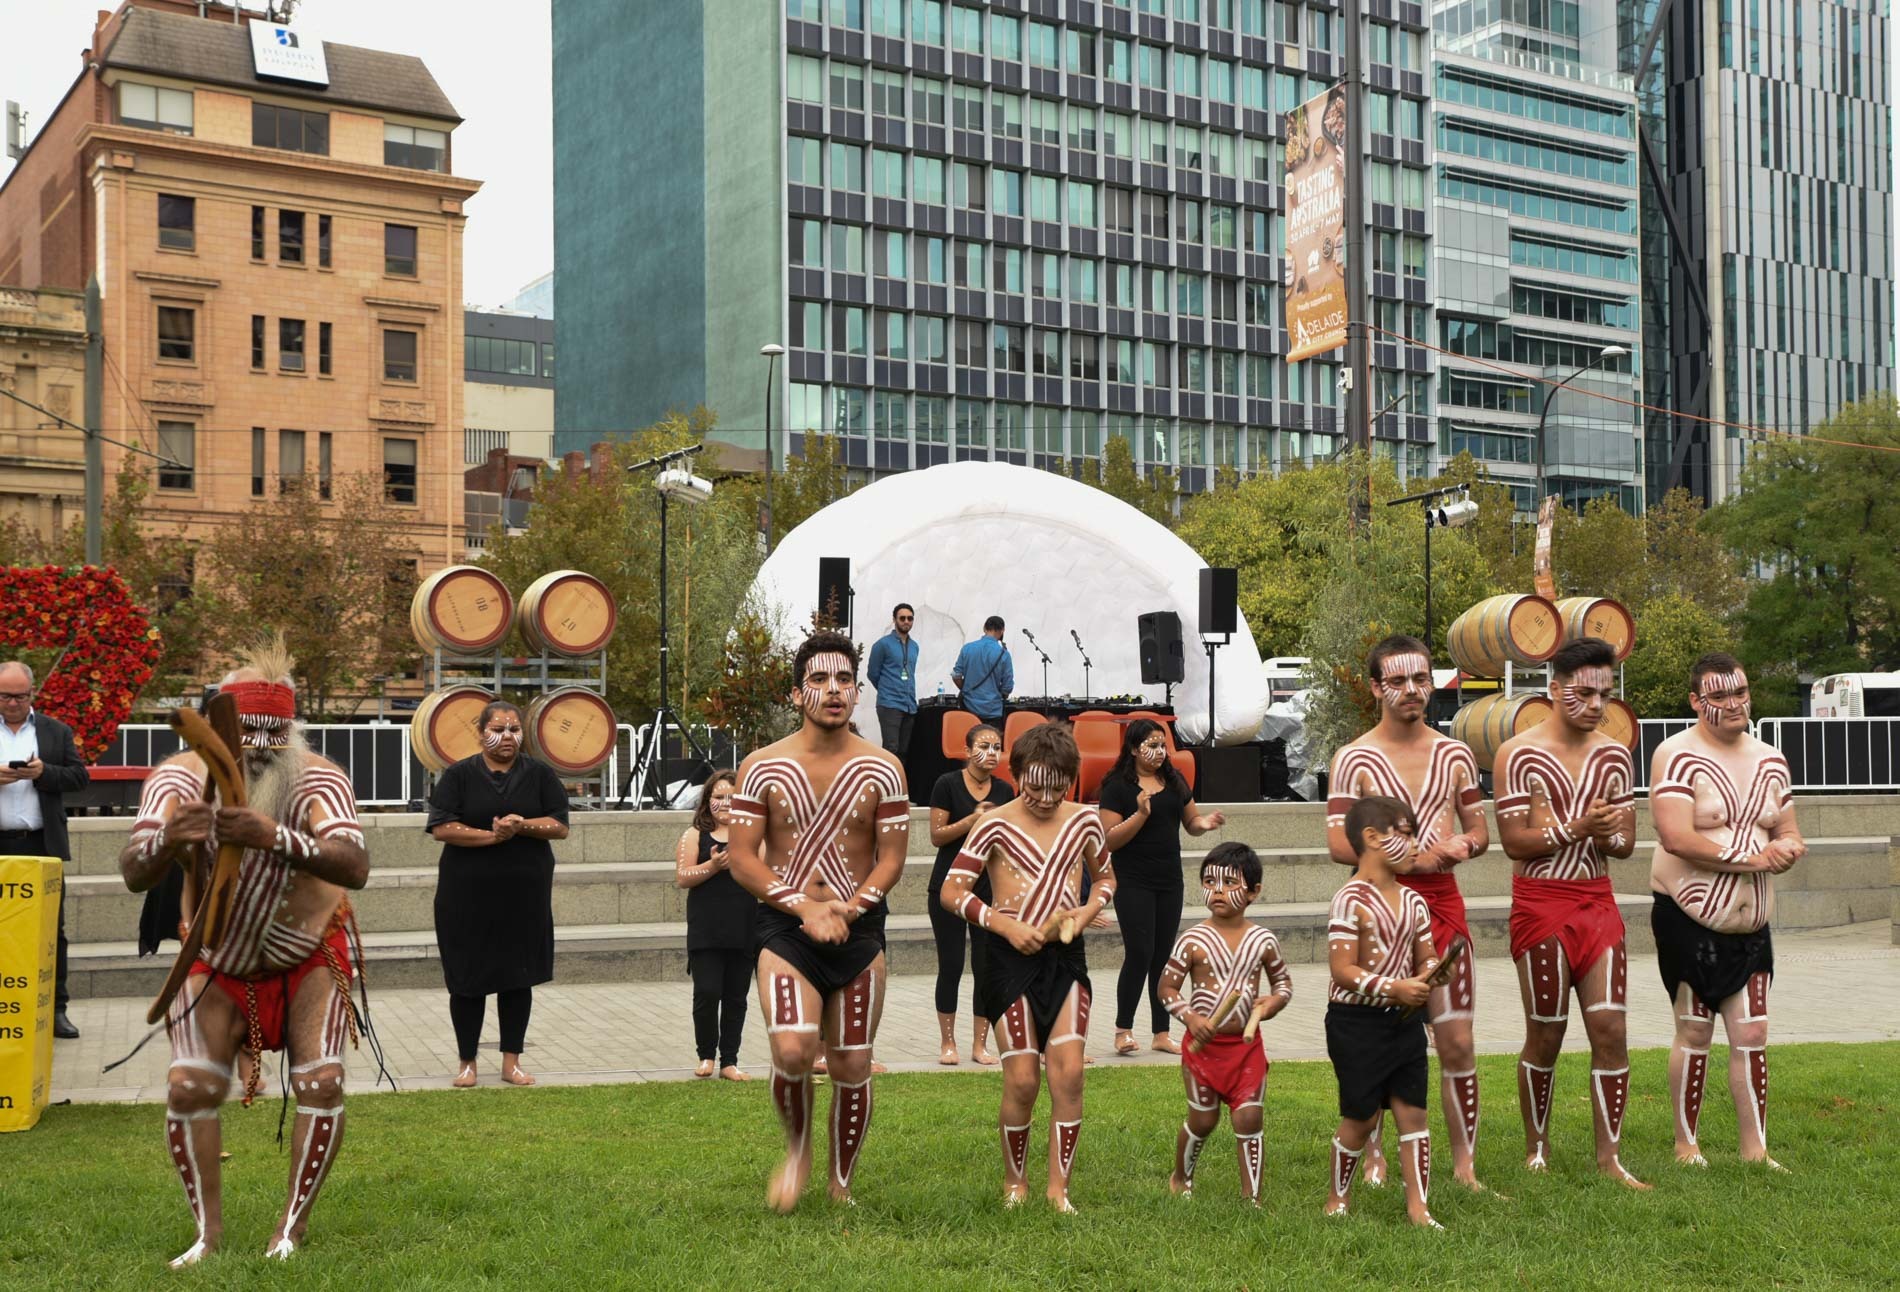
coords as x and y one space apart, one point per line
1345 1166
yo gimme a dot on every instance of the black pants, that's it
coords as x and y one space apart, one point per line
951 931
32 843
511 1007
721 981
893 729
1150 920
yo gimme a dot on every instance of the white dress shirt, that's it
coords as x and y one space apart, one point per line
20 800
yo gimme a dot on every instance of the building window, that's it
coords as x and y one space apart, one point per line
177 222
290 345
323 242
399 250
257 233
150 108
323 349
177 450
177 333
323 463
290 460
414 148
547 359
399 355
257 343
290 237
399 469
290 129
257 462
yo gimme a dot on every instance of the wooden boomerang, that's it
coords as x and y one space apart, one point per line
213 742
1221 1011
1441 975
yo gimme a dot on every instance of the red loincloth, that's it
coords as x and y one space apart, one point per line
1229 1066
1446 904
275 992
1580 913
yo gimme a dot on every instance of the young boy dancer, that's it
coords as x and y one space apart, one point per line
1224 1062
1034 849
1379 948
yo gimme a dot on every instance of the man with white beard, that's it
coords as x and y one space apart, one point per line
279 977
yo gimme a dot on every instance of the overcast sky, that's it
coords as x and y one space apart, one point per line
489 56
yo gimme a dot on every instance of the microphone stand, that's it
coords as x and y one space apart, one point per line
1045 661
1086 666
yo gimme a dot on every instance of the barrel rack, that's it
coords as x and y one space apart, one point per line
495 671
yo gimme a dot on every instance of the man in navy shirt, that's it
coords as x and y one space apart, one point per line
892 673
983 673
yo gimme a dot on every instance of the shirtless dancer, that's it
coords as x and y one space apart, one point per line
1724 828
820 826
280 976
1565 807
1034 849
1405 759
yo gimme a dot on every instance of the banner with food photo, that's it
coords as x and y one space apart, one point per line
1316 225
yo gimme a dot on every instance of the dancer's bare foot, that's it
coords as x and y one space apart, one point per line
1014 1195
705 1068
1534 1160
1615 1170
983 1056
878 1068
1059 1203
513 1073
1769 1162
1337 1207
1125 1043
733 1072
1422 1218
947 1056
1372 1173
980 1045
787 1183
1691 1157
198 1251
1165 1044
820 1067
465 1077
1468 1176
1179 1187
282 1247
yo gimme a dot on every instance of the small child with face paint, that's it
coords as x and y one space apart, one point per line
1379 948
1220 960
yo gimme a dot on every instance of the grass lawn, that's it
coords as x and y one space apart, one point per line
662 1186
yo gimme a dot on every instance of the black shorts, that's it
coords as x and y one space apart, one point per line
1043 979
1378 1056
828 967
1715 965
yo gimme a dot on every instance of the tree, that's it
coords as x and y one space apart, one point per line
1673 633
811 480
751 698
1153 495
1687 557
336 575
1823 519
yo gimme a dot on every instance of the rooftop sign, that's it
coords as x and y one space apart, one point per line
284 54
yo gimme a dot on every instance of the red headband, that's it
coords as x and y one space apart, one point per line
263 699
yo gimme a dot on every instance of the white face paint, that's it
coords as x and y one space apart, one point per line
1223 882
1723 699
502 736
1152 752
1404 679
829 690
721 803
1585 694
1044 788
986 753
1396 846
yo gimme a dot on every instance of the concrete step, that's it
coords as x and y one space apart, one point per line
656 951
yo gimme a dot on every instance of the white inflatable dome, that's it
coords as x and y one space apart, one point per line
967 540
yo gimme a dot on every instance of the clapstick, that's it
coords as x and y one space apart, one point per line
1060 925
1221 1011
1441 973
1254 1018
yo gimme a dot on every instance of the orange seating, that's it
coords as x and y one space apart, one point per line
1014 726
1100 743
956 726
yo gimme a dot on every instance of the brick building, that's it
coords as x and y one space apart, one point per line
278 240
43 361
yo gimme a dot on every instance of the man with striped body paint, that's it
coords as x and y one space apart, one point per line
1565 806
820 826
279 977
1725 828
1404 758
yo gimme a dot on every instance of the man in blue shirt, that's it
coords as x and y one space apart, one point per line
983 673
892 673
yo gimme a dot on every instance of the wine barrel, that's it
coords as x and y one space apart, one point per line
443 730
1599 617
461 610
571 730
1619 724
1486 723
567 612
1517 629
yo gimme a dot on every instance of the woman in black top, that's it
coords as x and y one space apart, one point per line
495 815
957 802
1145 804
719 916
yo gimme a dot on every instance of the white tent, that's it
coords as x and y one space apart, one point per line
967 540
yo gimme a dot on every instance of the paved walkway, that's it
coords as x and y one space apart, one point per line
625 1032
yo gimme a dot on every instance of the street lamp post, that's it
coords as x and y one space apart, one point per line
1604 355
771 350
1446 517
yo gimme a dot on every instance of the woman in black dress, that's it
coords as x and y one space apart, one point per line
719 918
1145 804
957 801
495 815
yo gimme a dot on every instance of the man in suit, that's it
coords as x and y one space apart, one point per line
39 766
983 673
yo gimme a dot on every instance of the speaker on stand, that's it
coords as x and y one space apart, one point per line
1220 617
1159 635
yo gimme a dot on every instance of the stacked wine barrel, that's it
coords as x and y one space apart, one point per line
464 610
1525 631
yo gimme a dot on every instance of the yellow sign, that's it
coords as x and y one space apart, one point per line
1315 284
29 944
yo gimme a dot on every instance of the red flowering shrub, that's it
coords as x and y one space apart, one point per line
110 645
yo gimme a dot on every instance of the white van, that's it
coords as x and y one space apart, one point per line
1856 695
1283 677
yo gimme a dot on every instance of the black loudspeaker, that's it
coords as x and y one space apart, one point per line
1220 601
1161 660
834 591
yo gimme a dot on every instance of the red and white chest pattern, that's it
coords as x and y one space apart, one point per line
779 787
1727 813
1052 879
1436 802
1235 969
1607 774
258 939
1391 935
